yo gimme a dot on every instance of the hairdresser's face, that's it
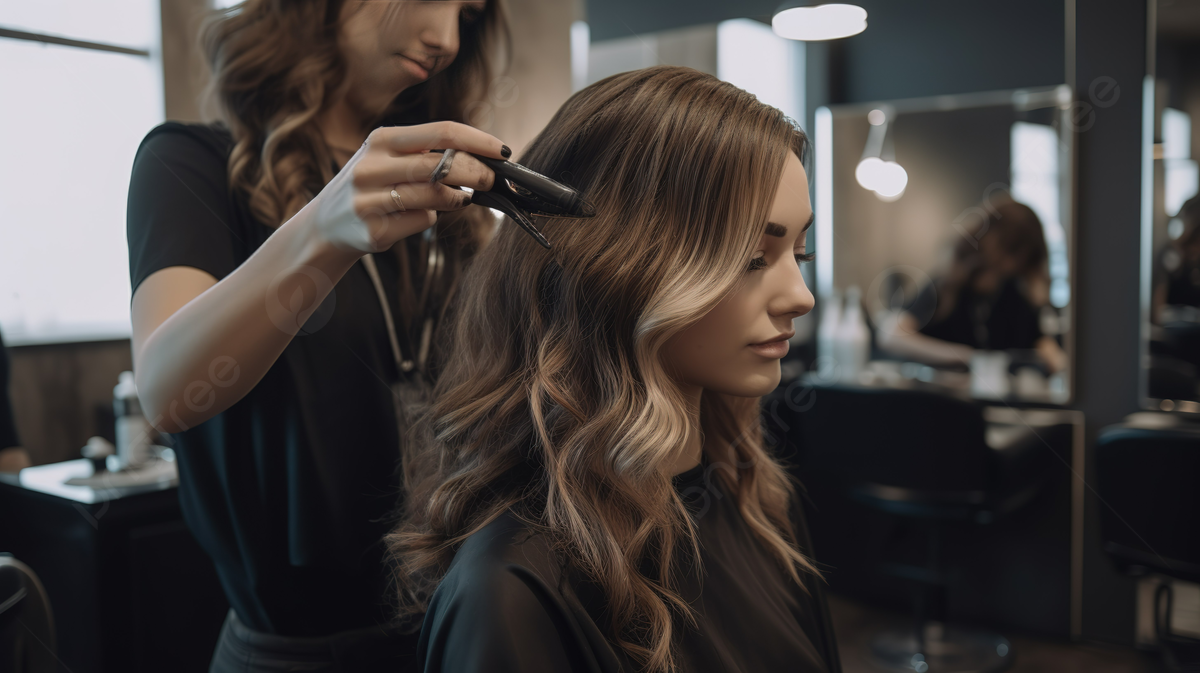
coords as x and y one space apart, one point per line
735 349
390 45
1000 261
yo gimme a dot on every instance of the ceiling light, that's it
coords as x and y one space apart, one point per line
890 180
868 172
822 22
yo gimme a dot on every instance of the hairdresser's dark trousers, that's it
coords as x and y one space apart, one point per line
241 650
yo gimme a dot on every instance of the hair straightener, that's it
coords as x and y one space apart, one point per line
521 194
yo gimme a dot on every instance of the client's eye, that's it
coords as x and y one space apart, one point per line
758 263
801 259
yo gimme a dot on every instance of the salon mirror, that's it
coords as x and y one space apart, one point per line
1171 211
947 218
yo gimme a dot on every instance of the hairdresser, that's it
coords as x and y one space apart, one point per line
289 264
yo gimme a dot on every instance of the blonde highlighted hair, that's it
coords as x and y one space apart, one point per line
554 402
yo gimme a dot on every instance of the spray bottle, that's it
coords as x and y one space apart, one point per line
853 340
134 433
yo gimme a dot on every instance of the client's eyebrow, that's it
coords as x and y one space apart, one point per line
779 231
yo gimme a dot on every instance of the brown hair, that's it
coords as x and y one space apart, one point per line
1189 240
276 65
554 401
1017 232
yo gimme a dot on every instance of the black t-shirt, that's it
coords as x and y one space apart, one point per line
289 490
1001 321
507 605
1181 275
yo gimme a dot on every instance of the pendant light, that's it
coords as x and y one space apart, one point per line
878 170
809 23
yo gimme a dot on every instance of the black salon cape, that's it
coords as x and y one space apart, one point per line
506 606
290 489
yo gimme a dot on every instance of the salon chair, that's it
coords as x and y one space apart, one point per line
926 458
26 624
1148 479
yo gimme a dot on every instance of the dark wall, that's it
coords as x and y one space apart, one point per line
62 395
935 47
612 19
1111 64
911 48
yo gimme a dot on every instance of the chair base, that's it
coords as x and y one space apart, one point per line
947 649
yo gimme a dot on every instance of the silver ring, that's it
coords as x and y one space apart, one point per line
396 198
443 167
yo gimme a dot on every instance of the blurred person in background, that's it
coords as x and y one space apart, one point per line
1177 267
285 280
990 298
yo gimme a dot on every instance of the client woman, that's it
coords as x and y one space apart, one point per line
593 493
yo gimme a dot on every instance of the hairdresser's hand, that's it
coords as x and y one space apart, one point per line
356 210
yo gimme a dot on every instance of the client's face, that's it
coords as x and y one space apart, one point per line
735 349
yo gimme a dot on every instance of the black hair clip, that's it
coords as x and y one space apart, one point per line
521 194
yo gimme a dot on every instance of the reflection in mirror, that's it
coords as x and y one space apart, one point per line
1171 371
943 230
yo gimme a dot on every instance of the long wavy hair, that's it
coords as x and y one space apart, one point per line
555 403
276 66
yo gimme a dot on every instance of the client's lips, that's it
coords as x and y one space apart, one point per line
773 348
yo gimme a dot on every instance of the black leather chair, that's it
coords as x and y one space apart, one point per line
924 456
1149 481
26 624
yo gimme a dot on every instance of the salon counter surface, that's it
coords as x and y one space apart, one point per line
951 383
129 587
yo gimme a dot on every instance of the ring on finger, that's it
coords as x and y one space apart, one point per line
443 168
396 199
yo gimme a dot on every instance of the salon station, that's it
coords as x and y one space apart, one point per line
248 249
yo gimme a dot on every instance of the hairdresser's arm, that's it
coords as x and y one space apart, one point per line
1051 354
199 344
901 335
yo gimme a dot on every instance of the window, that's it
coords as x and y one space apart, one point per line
751 56
1035 182
82 85
744 52
1182 177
